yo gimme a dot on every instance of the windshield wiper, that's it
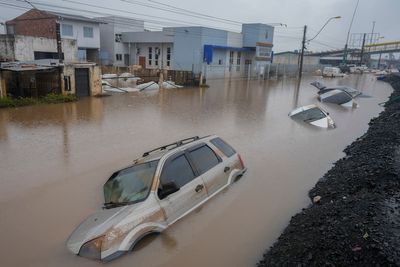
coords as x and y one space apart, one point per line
109 205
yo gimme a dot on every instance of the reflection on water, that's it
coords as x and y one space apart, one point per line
55 159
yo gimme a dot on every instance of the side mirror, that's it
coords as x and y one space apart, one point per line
167 189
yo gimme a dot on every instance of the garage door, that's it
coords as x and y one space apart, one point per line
82 82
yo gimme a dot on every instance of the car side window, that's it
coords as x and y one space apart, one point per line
223 146
178 170
204 158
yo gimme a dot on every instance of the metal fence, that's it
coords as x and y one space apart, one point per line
270 71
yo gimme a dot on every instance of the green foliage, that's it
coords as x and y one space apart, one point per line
51 98
7 102
57 98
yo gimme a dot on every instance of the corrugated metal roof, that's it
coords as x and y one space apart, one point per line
21 66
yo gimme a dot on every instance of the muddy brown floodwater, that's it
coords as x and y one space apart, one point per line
55 158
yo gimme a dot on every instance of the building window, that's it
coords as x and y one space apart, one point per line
10 29
88 32
231 54
266 34
239 55
150 58
67 30
168 56
220 62
118 37
67 83
157 55
264 52
118 57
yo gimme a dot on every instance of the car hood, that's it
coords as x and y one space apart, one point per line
96 225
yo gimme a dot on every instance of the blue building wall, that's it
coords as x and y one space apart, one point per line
256 32
189 45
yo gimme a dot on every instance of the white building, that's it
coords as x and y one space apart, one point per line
217 53
112 50
151 50
85 31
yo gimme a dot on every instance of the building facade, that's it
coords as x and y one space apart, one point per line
43 24
292 58
30 48
213 52
112 50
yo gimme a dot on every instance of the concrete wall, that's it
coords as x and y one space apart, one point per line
256 32
148 37
77 28
292 58
108 46
235 39
189 46
7 48
107 40
215 70
3 92
94 78
25 46
143 49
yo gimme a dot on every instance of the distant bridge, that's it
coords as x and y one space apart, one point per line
382 48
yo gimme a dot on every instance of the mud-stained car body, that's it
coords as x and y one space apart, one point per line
160 188
313 115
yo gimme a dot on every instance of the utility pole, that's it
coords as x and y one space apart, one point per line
59 44
372 32
303 47
362 49
348 34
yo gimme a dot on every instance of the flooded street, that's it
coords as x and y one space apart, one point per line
54 160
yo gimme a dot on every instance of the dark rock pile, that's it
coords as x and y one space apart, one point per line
355 218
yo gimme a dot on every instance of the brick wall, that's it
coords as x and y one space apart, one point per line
34 23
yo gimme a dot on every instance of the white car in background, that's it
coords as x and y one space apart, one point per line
332 72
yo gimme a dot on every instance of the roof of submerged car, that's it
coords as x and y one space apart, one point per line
159 152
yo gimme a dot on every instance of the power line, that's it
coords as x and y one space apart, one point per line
118 10
129 24
181 11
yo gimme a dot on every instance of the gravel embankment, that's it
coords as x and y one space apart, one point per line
356 222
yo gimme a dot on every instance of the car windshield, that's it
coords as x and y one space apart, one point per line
129 185
310 115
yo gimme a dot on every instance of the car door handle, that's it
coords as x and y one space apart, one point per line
199 188
226 169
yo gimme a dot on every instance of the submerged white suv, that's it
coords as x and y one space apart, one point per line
161 187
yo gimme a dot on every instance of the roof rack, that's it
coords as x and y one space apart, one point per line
174 145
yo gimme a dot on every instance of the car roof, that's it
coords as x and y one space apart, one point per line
158 153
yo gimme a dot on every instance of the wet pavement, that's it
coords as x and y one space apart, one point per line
54 160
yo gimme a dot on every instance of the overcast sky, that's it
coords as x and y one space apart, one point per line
294 13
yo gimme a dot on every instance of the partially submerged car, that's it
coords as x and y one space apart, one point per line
323 89
338 97
161 187
313 115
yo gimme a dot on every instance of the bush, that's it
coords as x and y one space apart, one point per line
58 98
7 102
51 98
